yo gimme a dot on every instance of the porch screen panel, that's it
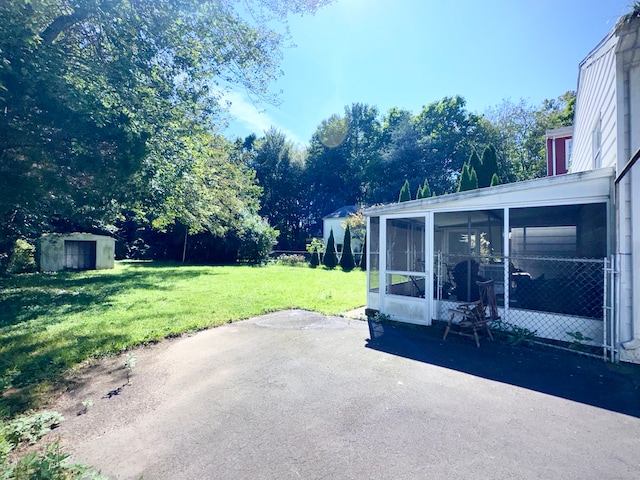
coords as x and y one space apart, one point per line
555 259
374 254
405 250
405 244
471 248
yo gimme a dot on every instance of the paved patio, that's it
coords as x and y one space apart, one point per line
299 395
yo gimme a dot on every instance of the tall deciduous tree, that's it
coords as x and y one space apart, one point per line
339 159
447 134
279 170
89 88
520 133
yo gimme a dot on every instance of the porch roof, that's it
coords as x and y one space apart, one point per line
569 189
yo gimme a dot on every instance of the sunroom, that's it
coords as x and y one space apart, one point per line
545 243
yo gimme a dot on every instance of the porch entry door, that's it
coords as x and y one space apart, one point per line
80 255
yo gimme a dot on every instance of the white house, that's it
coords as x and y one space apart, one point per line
335 222
563 250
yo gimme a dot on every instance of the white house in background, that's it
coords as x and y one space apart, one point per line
336 221
75 251
563 250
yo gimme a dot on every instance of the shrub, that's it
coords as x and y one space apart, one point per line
257 238
23 258
290 260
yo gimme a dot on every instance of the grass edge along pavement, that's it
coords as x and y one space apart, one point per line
52 322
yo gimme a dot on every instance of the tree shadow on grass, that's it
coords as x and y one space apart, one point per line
31 374
27 297
591 381
30 304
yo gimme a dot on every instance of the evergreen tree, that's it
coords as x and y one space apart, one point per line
489 166
346 261
465 178
473 180
426 190
419 193
330 258
495 180
405 192
315 258
475 163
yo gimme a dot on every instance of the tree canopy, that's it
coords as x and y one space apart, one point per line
109 103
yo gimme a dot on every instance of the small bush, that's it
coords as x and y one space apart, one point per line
23 258
291 260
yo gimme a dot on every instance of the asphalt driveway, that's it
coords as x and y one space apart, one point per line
299 395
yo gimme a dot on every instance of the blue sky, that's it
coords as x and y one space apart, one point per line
408 53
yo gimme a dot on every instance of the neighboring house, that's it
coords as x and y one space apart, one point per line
75 251
336 221
562 250
559 149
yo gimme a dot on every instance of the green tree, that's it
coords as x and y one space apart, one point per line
279 171
465 179
494 180
519 133
399 158
426 190
475 163
347 261
447 135
489 166
405 192
315 258
473 180
92 90
330 259
339 158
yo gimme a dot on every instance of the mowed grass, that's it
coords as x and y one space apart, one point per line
51 322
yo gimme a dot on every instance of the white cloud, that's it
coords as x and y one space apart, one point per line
245 112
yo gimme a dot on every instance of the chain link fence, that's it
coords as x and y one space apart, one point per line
557 301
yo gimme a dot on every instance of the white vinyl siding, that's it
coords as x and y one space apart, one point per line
596 107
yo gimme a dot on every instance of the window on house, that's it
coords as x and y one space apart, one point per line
596 144
568 148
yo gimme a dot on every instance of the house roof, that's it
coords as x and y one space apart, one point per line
571 188
342 212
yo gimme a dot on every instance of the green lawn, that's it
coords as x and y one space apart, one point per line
51 322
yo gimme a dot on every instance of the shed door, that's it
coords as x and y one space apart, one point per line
79 255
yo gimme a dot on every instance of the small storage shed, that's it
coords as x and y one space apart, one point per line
75 251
